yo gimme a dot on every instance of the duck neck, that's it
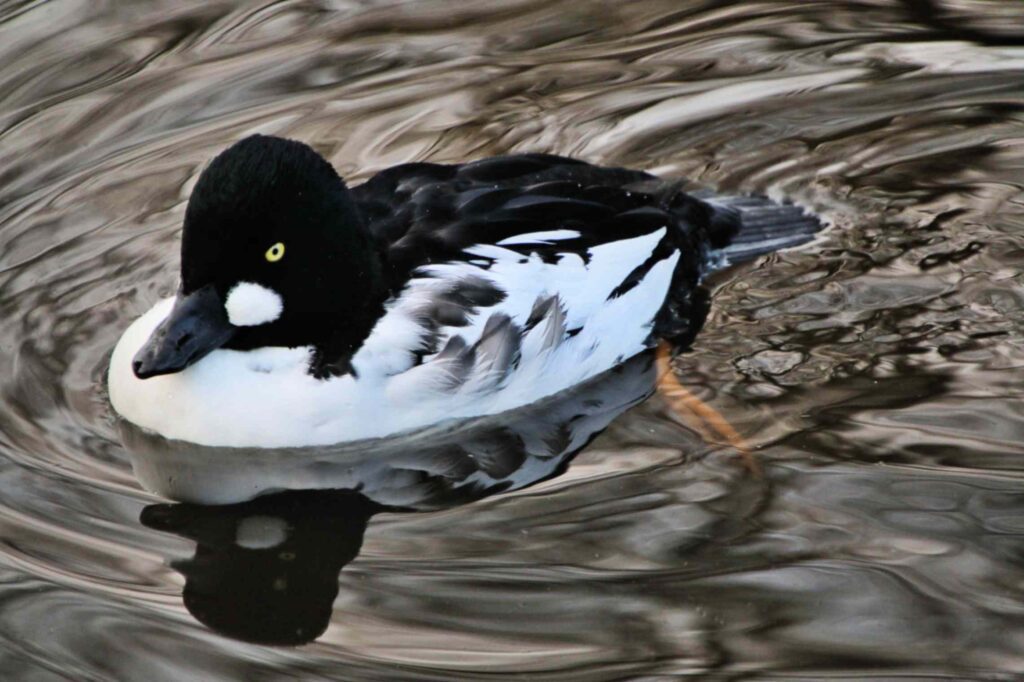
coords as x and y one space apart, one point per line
332 356
355 292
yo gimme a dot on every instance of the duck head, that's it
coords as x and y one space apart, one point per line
274 252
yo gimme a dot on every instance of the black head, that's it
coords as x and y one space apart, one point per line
274 253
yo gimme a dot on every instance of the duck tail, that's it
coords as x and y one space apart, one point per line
744 227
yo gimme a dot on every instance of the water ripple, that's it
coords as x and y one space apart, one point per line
876 370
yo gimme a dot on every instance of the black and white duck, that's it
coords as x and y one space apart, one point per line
312 313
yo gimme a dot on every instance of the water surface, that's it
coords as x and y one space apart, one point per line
878 373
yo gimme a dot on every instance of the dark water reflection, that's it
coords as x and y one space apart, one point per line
266 571
879 372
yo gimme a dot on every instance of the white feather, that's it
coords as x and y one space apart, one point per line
545 237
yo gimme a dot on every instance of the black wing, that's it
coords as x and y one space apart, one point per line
425 213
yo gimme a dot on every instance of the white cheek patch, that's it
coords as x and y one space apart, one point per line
250 304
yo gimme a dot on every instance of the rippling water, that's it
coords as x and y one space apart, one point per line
878 373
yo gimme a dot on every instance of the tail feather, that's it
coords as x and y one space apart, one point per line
750 226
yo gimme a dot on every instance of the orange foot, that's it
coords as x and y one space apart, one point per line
696 413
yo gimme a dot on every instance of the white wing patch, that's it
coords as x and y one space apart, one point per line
575 292
539 237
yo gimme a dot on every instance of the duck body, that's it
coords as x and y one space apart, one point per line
311 314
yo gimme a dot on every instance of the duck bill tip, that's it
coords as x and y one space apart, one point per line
196 326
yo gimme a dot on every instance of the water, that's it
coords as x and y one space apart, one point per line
876 373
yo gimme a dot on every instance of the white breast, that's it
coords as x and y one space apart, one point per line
266 397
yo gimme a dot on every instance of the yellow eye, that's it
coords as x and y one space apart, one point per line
275 252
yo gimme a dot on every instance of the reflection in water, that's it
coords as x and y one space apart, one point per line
266 570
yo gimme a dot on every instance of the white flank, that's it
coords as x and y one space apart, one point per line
250 304
266 398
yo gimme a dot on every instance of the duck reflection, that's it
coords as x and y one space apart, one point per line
266 571
266 563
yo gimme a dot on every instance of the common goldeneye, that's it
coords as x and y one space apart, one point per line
310 313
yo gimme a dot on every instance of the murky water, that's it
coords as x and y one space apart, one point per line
878 373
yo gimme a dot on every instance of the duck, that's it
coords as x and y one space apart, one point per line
312 313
